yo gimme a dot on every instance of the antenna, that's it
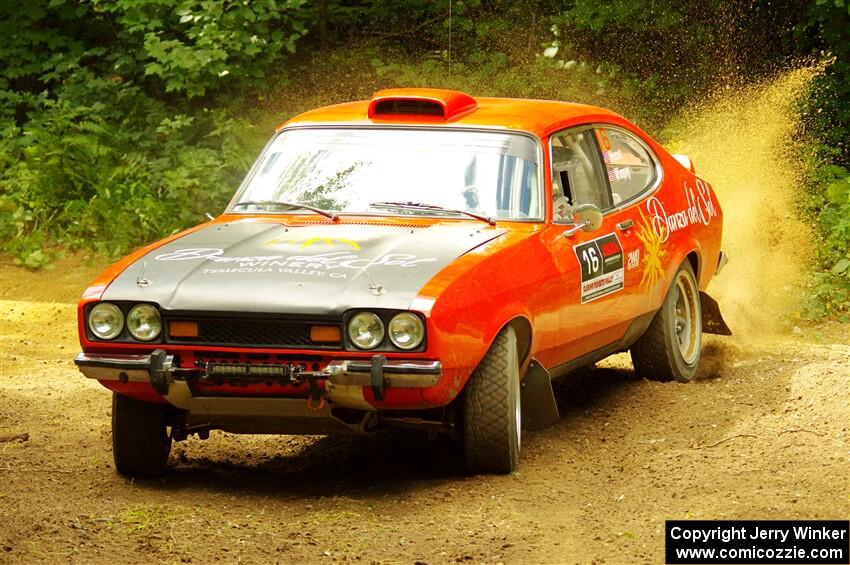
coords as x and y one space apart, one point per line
450 37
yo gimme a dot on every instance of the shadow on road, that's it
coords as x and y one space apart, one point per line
377 464
587 390
388 462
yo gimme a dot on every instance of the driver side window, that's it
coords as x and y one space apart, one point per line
577 175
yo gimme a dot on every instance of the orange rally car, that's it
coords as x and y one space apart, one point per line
424 259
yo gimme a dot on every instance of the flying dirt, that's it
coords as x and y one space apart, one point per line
743 142
761 434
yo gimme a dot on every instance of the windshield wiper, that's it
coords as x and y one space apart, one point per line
326 213
421 206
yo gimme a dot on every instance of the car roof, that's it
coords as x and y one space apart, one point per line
421 106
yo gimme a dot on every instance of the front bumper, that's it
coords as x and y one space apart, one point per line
159 370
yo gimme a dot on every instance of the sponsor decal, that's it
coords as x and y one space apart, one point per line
612 156
601 262
307 242
655 229
700 209
331 264
654 252
619 173
633 259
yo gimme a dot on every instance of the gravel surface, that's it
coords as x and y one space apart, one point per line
763 433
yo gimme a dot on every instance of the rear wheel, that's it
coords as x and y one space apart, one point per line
140 440
670 347
492 409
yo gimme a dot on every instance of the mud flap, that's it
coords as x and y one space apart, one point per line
712 320
539 409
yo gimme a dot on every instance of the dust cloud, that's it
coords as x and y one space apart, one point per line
742 141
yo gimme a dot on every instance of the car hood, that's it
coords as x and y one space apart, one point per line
258 266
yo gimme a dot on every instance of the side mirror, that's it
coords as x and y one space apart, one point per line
587 218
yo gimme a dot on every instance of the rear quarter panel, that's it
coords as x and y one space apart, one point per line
686 217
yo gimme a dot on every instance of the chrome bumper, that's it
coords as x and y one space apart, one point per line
124 368
158 369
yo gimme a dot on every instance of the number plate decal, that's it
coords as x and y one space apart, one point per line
601 261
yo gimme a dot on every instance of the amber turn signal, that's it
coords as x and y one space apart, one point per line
183 329
325 334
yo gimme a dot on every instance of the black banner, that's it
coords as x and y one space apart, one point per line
757 541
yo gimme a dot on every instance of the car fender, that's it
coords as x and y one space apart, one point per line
474 299
461 352
509 314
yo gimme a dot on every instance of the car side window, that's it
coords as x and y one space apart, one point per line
628 165
577 174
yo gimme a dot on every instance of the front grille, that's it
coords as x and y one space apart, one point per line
254 333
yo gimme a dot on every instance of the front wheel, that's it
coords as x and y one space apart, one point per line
492 409
670 347
140 440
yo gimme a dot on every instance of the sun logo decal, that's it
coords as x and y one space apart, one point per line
653 271
318 240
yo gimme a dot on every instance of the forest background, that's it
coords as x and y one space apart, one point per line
122 121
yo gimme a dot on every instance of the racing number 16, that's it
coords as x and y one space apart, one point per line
591 259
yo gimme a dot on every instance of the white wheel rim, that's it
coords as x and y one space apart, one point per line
686 322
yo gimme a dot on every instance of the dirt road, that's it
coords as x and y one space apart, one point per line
762 434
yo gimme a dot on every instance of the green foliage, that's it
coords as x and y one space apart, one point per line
829 203
124 120
670 51
191 47
826 31
110 177
100 145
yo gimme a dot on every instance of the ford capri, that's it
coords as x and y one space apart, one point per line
422 259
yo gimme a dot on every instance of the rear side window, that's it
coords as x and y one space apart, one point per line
628 164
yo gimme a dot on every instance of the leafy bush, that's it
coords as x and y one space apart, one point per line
112 127
825 31
109 177
829 203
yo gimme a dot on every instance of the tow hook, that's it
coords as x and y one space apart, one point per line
160 370
316 400
377 380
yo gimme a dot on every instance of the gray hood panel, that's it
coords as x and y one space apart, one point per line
256 266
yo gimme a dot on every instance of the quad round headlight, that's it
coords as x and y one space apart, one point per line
406 331
106 320
366 330
144 322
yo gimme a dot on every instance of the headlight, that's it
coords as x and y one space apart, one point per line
366 330
106 321
406 331
144 322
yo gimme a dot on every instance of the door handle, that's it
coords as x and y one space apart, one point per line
625 225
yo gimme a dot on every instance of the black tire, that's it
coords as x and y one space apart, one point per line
670 347
140 440
492 417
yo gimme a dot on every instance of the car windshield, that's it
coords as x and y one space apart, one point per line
352 170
